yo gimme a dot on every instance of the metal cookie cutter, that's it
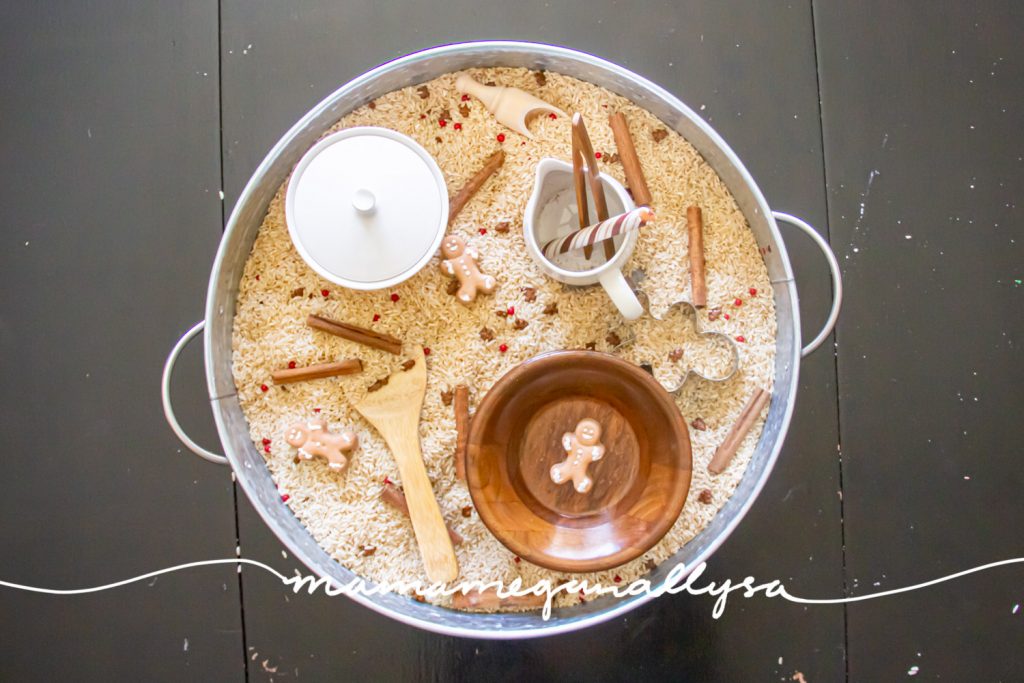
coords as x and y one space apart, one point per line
734 366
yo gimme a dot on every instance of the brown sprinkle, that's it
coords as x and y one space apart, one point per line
379 384
520 324
612 158
530 294
372 104
551 308
447 396
659 134
298 291
613 339
675 355
650 565
463 110
408 365
591 346
423 91
367 550
490 83
540 77
502 227
715 313
705 496
501 313
453 287
419 597
296 460
486 333
437 138
446 114
467 511
699 424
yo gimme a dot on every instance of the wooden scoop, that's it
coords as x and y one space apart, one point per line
510 106
394 410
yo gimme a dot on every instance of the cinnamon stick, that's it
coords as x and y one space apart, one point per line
630 161
343 367
360 335
460 199
461 429
698 284
739 430
391 495
584 148
488 599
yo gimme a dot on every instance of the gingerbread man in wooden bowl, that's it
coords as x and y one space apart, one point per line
582 447
460 261
314 439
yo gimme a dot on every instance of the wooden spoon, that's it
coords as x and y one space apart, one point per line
394 411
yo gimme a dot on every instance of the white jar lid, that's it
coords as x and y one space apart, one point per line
367 207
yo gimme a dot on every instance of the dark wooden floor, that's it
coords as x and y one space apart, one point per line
893 127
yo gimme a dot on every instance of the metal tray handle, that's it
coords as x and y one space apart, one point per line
165 395
837 279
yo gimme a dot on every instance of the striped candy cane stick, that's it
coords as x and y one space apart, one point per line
606 229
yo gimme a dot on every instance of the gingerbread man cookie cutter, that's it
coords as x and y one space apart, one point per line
674 388
314 439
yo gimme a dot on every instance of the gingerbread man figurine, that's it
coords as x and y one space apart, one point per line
582 447
460 261
312 438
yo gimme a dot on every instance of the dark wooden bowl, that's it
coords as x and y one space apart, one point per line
640 485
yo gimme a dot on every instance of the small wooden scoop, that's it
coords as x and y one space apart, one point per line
394 410
510 106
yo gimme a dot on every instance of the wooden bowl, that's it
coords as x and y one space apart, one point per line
639 486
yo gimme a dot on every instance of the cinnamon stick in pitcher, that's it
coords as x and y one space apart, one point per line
460 199
360 335
739 430
630 161
391 495
698 284
321 370
461 429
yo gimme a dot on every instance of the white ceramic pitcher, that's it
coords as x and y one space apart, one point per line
551 213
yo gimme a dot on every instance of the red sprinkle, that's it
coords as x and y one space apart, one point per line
727 317
264 387
388 481
284 498
426 350
442 123
395 297
753 291
517 560
741 338
423 116
266 449
552 115
266 442
376 317
465 98
617 579
503 348
457 126
291 365
483 231
597 155
316 410
257 278
501 137
325 292
511 311
737 302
